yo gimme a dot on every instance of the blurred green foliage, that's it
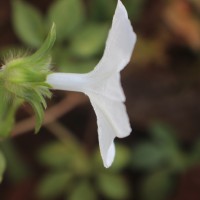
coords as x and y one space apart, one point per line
68 17
16 169
7 115
162 160
76 174
28 23
2 165
157 186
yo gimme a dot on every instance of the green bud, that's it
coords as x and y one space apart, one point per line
24 79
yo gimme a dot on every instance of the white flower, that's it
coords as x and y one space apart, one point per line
103 86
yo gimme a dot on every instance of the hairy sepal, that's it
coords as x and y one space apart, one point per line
24 78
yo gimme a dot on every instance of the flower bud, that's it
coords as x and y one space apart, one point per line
24 78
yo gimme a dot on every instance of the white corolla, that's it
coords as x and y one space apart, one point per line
103 86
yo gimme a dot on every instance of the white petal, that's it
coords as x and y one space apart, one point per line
112 120
105 93
120 43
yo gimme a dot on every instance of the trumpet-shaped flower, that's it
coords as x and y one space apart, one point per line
103 86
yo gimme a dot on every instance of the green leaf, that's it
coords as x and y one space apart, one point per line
40 58
194 156
97 162
84 191
66 156
71 66
28 23
68 63
17 169
163 133
2 166
177 160
35 101
113 186
157 186
150 156
7 112
77 67
54 185
68 15
135 8
90 41
147 156
122 158
102 10
165 137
